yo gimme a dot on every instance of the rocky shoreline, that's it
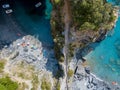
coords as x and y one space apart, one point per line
27 56
84 80
31 51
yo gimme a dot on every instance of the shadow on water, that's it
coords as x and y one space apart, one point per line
25 19
80 53
35 24
9 28
29 6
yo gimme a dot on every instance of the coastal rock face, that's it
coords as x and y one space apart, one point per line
83 79
29 63
78 38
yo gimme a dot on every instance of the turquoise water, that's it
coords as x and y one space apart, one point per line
105 59
35 24
115 2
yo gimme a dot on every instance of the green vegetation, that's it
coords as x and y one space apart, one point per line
71 50
70 73
7 84
87 15
60 72
2 87
2 63
35 82
58 86
35 79
21 75
22 86
46 85
57 1
92 14
57 29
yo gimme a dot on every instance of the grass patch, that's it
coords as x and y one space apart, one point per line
35 82
35 79
2 87
21 67
57 1
21 75
46 85
70 73
22 86
2 64
7 84
58 86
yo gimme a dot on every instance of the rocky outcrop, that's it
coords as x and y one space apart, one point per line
27 61
83 79
77 38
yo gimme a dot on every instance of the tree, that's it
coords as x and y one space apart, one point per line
91 14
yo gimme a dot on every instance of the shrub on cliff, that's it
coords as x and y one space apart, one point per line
46 85
92 14
2 63
70 73
7 84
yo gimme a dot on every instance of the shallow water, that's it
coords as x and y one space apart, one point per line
105 59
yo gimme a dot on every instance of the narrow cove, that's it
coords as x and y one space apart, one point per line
35 24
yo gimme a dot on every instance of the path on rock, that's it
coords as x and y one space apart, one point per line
67 22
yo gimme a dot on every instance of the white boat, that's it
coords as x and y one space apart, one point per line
9 11
5 5
38 4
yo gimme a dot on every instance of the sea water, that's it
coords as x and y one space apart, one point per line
35 24
105 59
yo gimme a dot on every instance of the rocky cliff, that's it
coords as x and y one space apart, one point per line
80 35
78 75
31 65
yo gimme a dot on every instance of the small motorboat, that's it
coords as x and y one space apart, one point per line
9 11
38 4
5 6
